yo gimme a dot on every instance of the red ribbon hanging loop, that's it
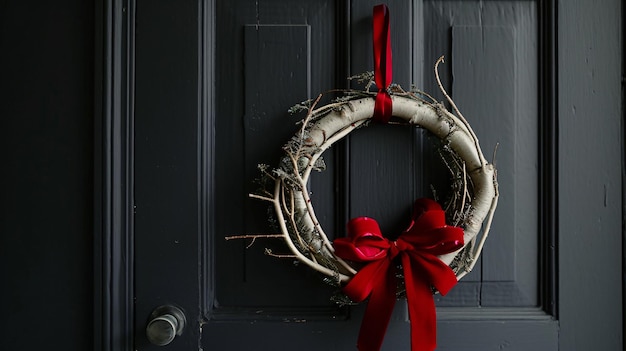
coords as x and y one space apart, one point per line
382 63
417 249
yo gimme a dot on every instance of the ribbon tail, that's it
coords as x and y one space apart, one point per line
378 312
421 306
365 281
434 271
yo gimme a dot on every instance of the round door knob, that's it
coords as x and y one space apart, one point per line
165 323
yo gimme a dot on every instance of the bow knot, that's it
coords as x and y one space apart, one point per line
403 245
417 248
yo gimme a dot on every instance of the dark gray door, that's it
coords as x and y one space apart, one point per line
209 87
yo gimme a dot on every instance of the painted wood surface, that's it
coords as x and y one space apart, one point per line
502 305
591 128
164 49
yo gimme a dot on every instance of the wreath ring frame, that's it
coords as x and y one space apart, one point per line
326 125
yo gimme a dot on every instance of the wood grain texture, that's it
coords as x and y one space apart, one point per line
273 55
590 178
385 161
491 70
165 123
467 336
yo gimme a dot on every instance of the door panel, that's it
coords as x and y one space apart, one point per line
271 52
491 72
485 69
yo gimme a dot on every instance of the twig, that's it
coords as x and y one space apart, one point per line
487 228
464 189
261 197
270 253
254 237
293 248
458 112
308 116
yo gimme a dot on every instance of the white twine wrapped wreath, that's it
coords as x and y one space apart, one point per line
476 193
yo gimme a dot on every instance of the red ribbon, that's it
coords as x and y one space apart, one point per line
382 63
417 248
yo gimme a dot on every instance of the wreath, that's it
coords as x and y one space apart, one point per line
431 255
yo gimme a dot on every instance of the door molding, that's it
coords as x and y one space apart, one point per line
548 157
113 176
206 98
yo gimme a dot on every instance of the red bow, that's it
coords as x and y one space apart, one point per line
418 247
382 63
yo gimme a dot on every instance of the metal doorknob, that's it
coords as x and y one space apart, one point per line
165 323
